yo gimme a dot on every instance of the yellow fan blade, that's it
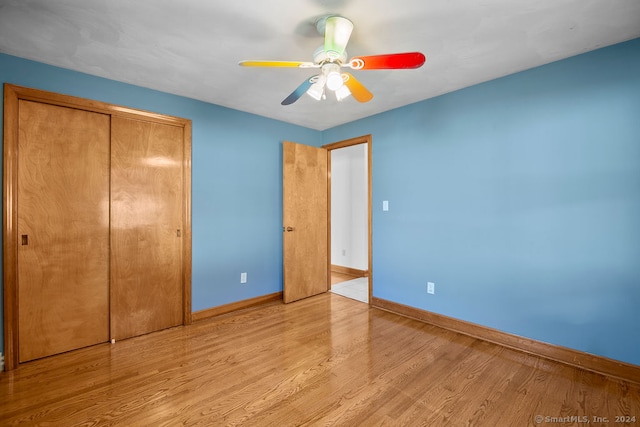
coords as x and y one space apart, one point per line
293 64
358 91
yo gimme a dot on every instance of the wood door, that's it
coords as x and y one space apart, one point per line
63 229
146 227
305 216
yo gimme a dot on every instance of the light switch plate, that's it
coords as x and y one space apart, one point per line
385 205
431 288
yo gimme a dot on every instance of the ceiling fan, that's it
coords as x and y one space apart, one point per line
332 57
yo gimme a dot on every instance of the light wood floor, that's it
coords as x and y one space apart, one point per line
326 360
341 277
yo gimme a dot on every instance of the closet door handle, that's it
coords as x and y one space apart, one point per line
25 239
178 233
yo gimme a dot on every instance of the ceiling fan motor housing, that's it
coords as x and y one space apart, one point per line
320 56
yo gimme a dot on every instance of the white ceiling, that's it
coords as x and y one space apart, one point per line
192 47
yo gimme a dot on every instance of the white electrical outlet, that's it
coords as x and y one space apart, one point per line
243 277
431 288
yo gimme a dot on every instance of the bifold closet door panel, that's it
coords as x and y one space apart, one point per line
63 229
146 227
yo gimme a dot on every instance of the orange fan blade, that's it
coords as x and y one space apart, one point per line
357 89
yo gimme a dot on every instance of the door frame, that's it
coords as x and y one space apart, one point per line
12 95
365 139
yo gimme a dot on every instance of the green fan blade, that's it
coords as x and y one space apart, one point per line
336 35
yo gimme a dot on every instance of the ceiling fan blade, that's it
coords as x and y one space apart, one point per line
337 32
293 64
390 61
358 91
300 90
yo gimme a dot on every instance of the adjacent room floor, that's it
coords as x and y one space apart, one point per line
357 289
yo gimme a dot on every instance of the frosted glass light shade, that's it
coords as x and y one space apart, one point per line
342 92
334 80
317 89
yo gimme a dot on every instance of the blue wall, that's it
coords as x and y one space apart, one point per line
236 174
520 199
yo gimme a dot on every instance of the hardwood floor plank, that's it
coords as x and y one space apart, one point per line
337 277
324 360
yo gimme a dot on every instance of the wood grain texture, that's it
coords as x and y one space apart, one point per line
12 96
146 227
349 271
186 222
340 277
62 100
235 306
305 199
598 364
324 360
10 226
63 214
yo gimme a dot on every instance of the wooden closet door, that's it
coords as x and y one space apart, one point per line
63 229
146 227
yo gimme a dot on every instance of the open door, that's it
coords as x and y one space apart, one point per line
305 217
360 140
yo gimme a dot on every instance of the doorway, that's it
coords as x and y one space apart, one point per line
350 218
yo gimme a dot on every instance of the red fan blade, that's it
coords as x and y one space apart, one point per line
391 61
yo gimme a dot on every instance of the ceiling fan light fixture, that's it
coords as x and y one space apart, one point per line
333 76
316 91
342 93
334 80
331 57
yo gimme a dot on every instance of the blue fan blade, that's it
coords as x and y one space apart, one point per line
296 94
